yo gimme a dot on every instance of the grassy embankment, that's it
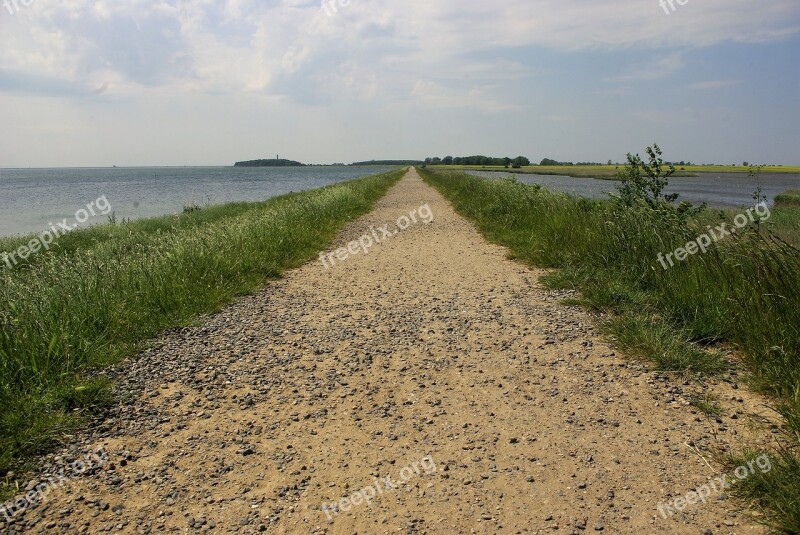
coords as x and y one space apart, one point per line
100 293
610 171
789 198
743 294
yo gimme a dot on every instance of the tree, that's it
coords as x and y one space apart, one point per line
521 161
643 184
646 181
447 160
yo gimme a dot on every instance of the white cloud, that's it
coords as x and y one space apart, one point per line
714 84
655 70
482 98
245 45
373 64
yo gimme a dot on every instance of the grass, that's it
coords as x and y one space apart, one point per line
744 293
104 291
707 404
610 171
790 169
774 493
788 198
658 340
92 236
786 219
578 171
783 222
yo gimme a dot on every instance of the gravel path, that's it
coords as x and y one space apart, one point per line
429 386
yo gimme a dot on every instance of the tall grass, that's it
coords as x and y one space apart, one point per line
106 289
745 292
788 198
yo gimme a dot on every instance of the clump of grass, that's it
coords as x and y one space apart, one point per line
788 198
708 404
107 289
774 492
191 207
670 347
744 291
785 222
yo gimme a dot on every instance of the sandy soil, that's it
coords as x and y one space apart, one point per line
432 361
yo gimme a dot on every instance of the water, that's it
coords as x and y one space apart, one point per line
716 189
31 199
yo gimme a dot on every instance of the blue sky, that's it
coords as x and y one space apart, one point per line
204 82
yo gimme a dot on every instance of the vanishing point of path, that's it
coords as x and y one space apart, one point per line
432 361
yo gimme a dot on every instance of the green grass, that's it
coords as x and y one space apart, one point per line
97 234
610 171
744 293
707 404
783 223
578 171
774 493
104 291
790 169
788 198
663 342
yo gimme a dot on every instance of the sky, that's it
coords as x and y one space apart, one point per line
209 82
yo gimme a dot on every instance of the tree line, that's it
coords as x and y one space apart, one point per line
517 162
390 162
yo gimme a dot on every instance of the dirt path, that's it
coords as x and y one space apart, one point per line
432 361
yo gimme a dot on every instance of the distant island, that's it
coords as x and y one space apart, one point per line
275 162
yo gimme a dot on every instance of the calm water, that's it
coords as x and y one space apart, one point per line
716 189
32 198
